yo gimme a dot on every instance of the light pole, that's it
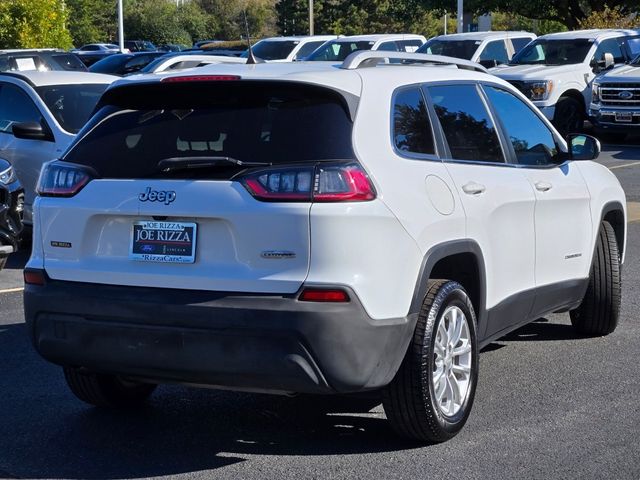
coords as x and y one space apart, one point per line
120 27
310 17
460 16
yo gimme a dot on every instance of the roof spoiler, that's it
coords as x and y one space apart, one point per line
370 58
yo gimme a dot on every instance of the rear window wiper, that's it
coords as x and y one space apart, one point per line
187 163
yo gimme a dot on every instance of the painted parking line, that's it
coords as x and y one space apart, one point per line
633 212
12 290
632 164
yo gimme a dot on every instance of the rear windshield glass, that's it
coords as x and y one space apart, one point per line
338 51
272 49
553 52
71 104
250 121
68 61
452 48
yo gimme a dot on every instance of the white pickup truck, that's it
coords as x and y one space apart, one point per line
615 101
555 71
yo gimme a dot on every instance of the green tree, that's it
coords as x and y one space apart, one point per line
609 18
92 21
34 24
261 17
568 12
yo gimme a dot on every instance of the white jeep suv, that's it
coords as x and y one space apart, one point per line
555 71
308 228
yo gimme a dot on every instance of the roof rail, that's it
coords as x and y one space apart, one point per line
371 58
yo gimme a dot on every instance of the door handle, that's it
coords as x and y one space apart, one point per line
543 186
473 188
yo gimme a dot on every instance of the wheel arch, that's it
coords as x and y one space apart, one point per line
613 212
461 261
576 95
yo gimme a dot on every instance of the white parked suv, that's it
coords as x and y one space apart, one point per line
40 114
203 230
555 71
615 102
487 48
287 49
339 49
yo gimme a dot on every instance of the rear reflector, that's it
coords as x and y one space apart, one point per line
323 295
310 183
34 277
200 78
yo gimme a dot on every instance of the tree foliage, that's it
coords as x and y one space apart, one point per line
92 21
609 17
33 24
568 12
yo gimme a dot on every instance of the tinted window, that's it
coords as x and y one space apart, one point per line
90 48
553 52
634 47
16 107
273 50
465 121
273 122
71 104
411 127
388 47
611 46
531 139
110 64
307 48
337 51
409 45
520 43
68 61
495 50
453 48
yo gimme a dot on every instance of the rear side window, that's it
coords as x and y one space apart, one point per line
411 126
466 123
268 122
71 104
307 48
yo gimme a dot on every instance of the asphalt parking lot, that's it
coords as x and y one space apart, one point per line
549 404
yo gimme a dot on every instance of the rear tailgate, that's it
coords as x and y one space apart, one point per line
238 243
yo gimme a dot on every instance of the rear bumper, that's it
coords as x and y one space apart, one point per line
256 342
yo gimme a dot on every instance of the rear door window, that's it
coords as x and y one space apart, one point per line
250 121
466 123
519 43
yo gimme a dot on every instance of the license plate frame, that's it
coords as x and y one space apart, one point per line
623 117
163 241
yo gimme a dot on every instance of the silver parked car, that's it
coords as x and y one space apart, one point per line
40 114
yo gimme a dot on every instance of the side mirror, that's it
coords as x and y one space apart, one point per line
606 62
583 147
31 131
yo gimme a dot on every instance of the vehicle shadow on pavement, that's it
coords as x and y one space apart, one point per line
47 433
543 330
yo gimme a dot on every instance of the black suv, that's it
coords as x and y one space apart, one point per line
47 59
11 202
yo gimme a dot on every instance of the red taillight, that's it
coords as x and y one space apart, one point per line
59 179
200 78
321 183
323 295
34 277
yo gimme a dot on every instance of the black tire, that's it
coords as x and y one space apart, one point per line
599 311
107 391
569 116
410 399
3 261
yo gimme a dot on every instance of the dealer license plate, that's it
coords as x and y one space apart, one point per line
165 242
624 117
